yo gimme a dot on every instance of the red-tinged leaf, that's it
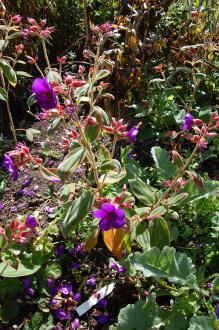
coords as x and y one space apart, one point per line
114 240
196 178
91 241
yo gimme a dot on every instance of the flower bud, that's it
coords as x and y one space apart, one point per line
19 49
69 80
194 13
91 121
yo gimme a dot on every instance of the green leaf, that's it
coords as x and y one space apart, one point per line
202 323
53 271
178 199
14 35
142 236
22 269
31 100
68 190
54 76
102 74
162 160
9 310
54 125
113 177
110 165
23 74
77 212
143 315
71 162
8 72
9 287
165 263
3 94
31 132
40 321
159 233
105 118
144 192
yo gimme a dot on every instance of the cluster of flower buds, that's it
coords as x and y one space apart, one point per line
19 49
21 232
38 30
72 81
105 29
15 19
117 128
201 130
70 135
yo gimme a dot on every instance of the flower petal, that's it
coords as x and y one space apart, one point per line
99 214
108 207
105 224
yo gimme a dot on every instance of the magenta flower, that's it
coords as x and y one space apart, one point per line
75 324
44 93
110 216
188 121
132 134
10 167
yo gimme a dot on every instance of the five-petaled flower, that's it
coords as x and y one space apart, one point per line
44 93
110 217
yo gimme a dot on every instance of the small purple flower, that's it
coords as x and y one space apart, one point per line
91 281
50 282
53 301
62 315
188 121
44 93
102 303
110 216
77 297
66 289
21 206
102 319
1 206
217 310
27 282
53 291
10 167
118 268
26 183
132 134
49 210
60 250
30 292
13 209
75 324
31 222
29 193
77 250
75 265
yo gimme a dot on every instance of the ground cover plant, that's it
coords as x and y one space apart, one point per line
109 200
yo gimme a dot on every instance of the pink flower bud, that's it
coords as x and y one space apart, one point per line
43 22
31 21
16 19
69 80
194 13
91 121
78 83
81 69
32 60
19 49
86 54
61 60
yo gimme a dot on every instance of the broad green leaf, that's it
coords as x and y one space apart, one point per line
31 132
161 158
14 35
9 310
142 236
104 153
53 271
8 72
203 323
9 287
143 315
77 212
67 192
144 192
71 162
54 76
113 177
165 263
110 165
7 270
178 199
105 118
3 94
159 233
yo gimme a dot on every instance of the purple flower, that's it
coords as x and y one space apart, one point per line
53 301
102 319
66 289
188 121
49 210
30 292
31 222
217 310
21 206
1 206
77 250
44 93
13 209
26 183
102 303
62 315
132 134
77 297
111 216
118 268
10 167
60 250
91 281
26 282
75 265
50 282
75 324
